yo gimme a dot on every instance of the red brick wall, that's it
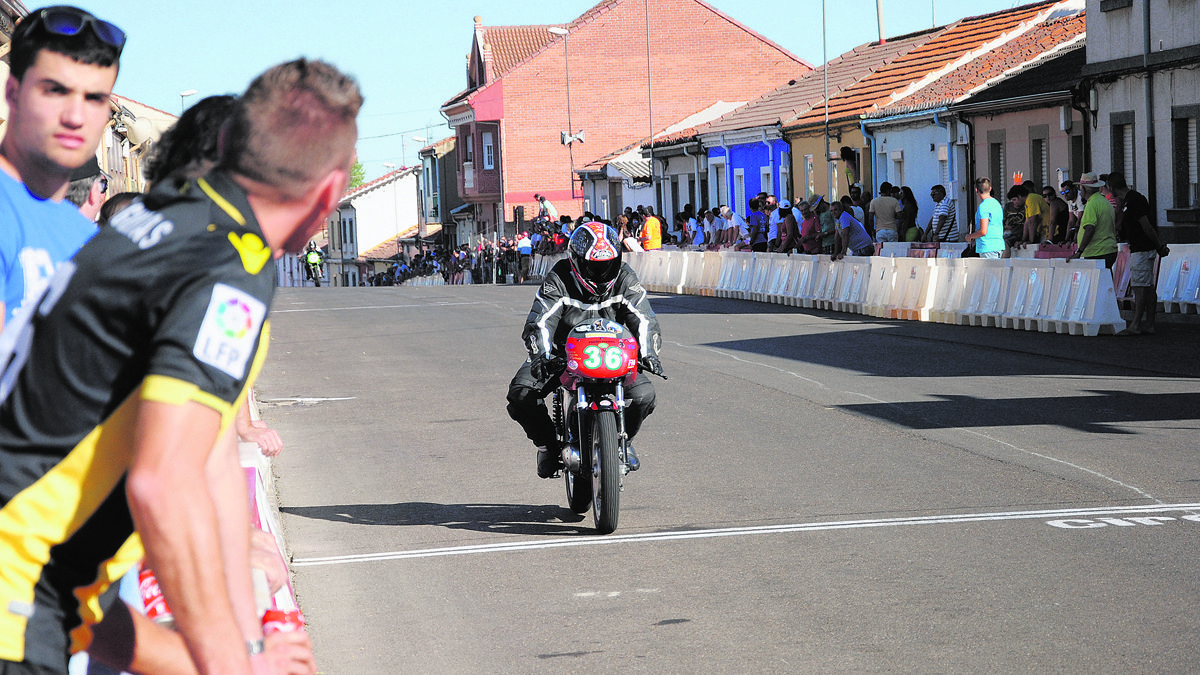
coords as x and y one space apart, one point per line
698 56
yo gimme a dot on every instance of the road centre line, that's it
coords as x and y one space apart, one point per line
542 544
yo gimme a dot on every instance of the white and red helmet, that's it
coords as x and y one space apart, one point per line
595 254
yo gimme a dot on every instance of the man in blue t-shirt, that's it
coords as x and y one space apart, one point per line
39 234
52 130
989 222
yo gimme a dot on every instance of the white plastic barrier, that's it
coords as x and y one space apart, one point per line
1028 294
737 280
766 266
804 268
658 270
826 284
710 273
987 290
951 249
743 273
431 280
1179 279
816 285
949 289
783 287
1083 300
916 281
879 286
1043 294
636 261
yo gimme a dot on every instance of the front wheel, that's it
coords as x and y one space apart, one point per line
606 471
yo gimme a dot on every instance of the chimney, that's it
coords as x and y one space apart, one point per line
488 65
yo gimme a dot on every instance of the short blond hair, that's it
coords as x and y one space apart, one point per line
295 124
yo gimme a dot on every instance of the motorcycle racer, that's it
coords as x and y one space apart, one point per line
590 283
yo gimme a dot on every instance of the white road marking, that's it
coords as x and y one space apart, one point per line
613 539
344 309
305 399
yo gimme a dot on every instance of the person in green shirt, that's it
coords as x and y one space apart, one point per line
1097 236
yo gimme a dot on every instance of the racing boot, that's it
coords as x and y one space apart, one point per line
631 458
548 462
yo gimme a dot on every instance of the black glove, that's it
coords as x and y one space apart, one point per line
652 365
538 367
543 368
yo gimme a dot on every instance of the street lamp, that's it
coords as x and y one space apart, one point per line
395 212
569 137
183 98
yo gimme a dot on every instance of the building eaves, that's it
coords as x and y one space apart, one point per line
1058 74
924 63
437 148
383 181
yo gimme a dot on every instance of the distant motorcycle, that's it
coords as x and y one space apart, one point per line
312 266
589 415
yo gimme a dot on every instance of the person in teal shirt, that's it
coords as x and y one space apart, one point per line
989 222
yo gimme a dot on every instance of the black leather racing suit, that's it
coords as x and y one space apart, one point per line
559 306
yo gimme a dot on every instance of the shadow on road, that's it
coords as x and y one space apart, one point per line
1100 413
523 519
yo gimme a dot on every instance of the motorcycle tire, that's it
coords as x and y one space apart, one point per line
606 471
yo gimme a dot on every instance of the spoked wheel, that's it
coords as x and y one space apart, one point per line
579 488
606 471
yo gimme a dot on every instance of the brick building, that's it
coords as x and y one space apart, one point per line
511 119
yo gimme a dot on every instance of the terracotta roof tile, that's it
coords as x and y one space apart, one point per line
961 38
1053 36
511 45
798 96
1059 73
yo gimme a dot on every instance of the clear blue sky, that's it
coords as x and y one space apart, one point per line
409 57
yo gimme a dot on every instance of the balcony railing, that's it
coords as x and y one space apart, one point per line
469 175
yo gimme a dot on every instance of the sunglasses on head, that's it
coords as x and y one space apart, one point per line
69 22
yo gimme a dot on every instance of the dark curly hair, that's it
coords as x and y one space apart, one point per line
191 143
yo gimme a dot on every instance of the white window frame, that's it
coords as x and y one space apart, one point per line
739 192
489 150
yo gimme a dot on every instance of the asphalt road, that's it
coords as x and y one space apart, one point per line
819 492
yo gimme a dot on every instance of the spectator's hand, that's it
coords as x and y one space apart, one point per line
286 654
264 555
268 440
652 365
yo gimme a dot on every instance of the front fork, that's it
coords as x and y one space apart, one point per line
571 456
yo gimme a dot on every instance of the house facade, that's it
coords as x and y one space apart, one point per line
513 122
439 194
992 112
1143 94
372 220
835 134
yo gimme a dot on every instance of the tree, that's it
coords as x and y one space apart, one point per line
357 174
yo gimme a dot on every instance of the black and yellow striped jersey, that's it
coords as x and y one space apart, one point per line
168 304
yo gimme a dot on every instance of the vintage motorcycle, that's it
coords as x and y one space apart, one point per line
589 415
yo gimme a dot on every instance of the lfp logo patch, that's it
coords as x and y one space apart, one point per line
235 318
230 328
